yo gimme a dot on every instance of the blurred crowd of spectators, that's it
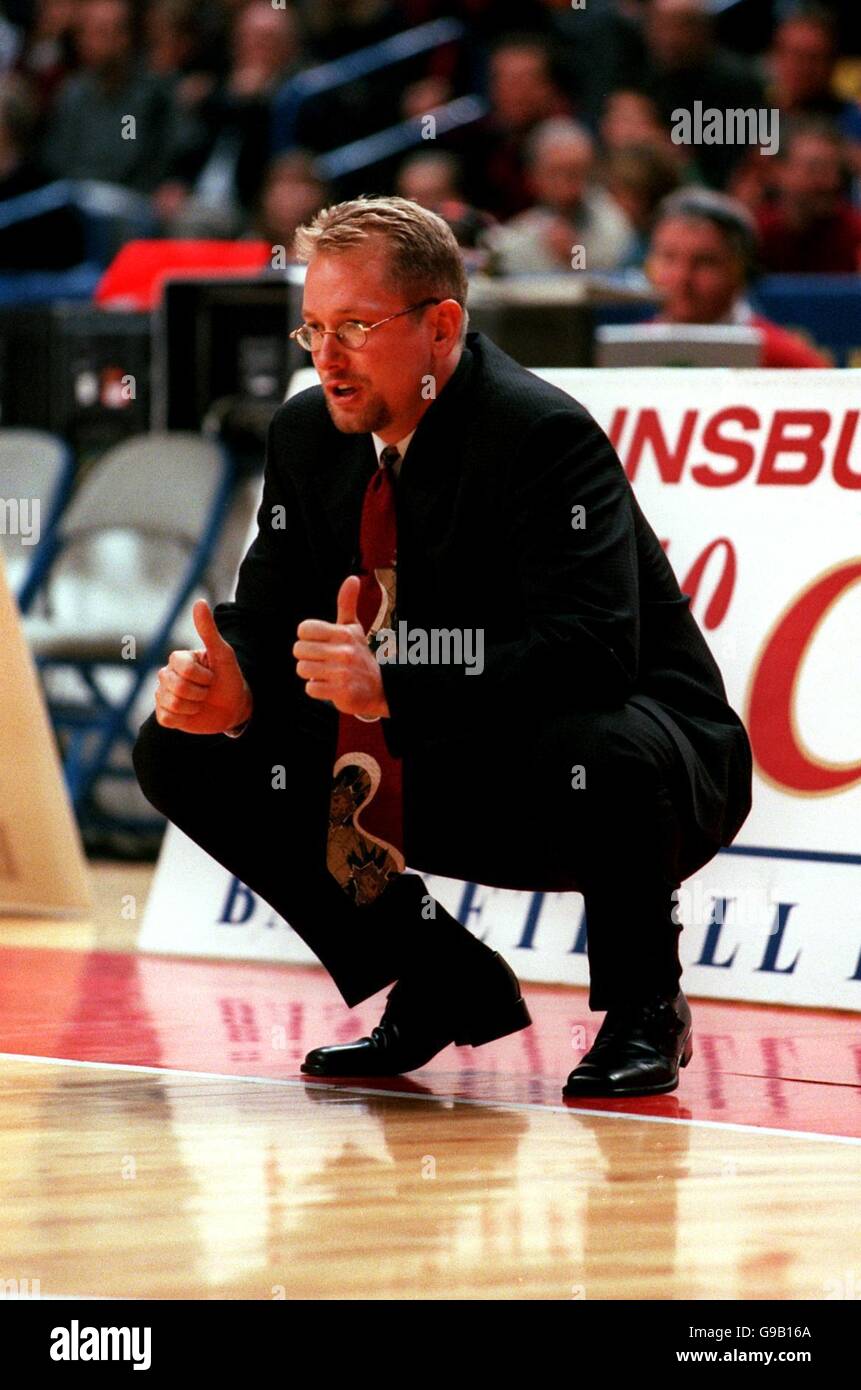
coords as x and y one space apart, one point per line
575 149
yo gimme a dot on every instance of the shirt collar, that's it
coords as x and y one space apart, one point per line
401 446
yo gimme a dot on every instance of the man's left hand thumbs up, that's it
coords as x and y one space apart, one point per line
335 661
348 600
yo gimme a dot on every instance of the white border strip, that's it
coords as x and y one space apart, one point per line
444 1100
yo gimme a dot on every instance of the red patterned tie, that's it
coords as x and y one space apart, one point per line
366 809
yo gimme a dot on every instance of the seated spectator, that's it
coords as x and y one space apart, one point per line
638 178
432 178
630 118
47 55
600 47
524 90
185 45
221 189
812 227
53 240
801 64
753 181
89 136
337 27
571 210
420 97
701 261
803 71
20 171
290 196
185 41
685 65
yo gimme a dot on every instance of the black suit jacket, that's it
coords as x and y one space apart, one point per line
573 619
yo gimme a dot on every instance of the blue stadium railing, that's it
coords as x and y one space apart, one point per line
109 216
296 90
396 139
110 213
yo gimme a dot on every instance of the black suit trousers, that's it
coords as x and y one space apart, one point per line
592 801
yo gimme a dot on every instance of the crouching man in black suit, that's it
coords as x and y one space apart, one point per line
594 750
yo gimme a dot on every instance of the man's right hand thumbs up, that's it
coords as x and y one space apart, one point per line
204 691
215 647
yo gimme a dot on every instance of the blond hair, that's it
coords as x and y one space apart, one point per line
424 258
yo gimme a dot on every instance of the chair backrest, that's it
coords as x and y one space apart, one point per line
36 472
33 464
139 535
160 484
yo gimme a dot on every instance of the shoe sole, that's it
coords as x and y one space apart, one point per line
625 1091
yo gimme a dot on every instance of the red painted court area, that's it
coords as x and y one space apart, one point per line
766 1067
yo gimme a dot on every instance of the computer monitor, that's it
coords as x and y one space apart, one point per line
678 345
540 321
77 370
224 339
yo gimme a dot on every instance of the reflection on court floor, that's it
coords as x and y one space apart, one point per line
158 1141
787 1069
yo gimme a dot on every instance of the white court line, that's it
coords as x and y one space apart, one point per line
444 1100
411 1096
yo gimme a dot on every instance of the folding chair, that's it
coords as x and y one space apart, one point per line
35 468
132 552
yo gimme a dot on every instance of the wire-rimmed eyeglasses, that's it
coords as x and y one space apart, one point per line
351 334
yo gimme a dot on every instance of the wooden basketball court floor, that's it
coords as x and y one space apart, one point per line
158 1141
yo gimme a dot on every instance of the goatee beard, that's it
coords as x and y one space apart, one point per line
369 422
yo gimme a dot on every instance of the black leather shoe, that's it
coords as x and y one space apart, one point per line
638 1051
415 1025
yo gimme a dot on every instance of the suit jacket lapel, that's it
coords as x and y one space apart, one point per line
432 466
342 485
